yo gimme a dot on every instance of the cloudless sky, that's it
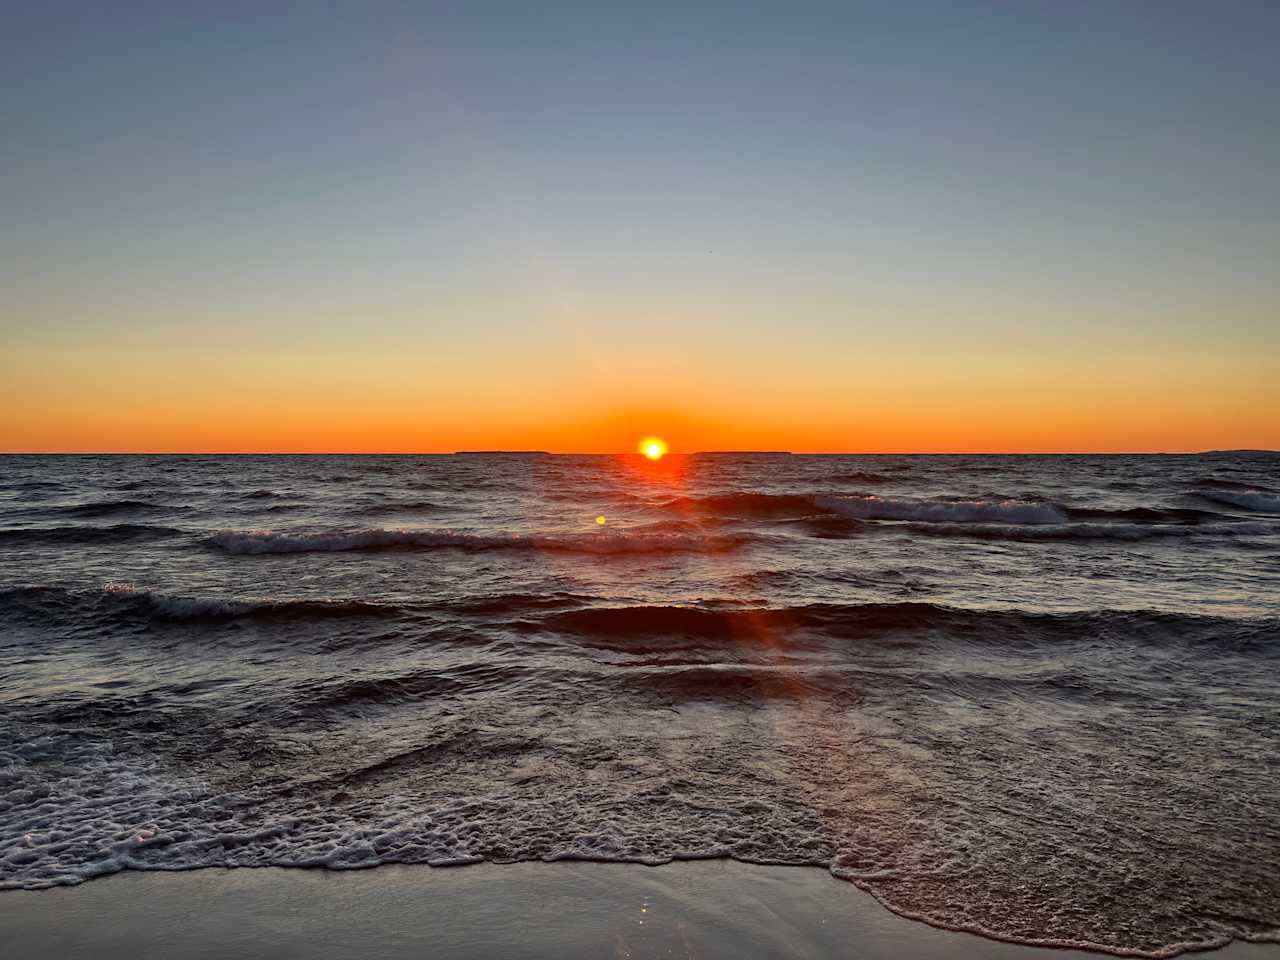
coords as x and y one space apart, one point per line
842 227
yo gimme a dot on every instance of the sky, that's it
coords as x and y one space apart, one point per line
846 227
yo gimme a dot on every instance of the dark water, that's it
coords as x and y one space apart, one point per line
1032 697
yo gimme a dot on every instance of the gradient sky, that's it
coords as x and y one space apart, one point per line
845 227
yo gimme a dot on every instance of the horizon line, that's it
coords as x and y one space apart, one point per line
628 453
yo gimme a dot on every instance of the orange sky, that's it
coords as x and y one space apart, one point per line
557 397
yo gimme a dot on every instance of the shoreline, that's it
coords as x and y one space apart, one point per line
701 908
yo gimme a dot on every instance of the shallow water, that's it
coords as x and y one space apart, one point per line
1032 697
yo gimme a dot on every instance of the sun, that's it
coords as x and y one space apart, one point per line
655 448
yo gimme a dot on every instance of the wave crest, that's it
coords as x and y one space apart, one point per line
1245 499
951 511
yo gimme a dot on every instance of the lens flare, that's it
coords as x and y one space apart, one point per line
654 448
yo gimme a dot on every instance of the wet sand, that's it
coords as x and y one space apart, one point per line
707 909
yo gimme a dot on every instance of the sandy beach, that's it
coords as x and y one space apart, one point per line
705 909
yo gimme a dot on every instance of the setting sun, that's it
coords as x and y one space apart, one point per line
653 448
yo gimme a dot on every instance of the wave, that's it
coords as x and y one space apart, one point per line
102 508
838 529
1245 499
126 602
738 623
34 485
508 604
400 506
253 542
747 505
428 684
1219 483
840 515
1085 532
122 601
924 845
915 620
1145 515
866 476
869 507
119 533
949 511
734 681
